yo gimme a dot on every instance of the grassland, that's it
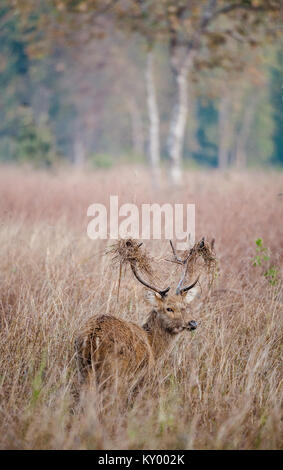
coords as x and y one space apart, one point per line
221 387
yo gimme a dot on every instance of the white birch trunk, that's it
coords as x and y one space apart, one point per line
178 121
154 138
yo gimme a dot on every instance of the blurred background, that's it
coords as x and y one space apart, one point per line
168 83
155 101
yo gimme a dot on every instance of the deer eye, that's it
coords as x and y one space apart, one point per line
169 309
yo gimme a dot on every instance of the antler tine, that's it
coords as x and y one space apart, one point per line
178 260
185 289
184 262
137 276
180 283
201 243
181 289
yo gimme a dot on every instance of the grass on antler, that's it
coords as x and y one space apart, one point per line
130 251
201 259
203 249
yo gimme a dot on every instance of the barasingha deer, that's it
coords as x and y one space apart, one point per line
107 346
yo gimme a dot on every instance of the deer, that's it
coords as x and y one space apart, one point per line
107 345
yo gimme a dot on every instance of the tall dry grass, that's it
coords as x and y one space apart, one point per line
220 388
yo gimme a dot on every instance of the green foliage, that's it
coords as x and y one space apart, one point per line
35 142
261 145
131 158
26 133
271 273
37 382
261 256
102 160
276 91
206 153
69 90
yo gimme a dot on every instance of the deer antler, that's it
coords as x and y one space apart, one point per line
184 262
133 264
185 289
160 292
178 260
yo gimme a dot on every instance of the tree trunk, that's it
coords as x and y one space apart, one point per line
179 117
224 131
243 135
154 139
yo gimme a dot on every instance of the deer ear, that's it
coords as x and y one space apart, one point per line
152 297
191 294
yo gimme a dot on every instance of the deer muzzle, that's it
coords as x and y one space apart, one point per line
192 325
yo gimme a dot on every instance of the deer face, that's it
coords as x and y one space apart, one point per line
171 310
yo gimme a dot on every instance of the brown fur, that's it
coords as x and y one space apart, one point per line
107 346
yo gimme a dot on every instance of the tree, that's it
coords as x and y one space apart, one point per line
26 128
276 78
188 28
195 32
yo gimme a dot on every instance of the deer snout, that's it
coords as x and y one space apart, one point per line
192 325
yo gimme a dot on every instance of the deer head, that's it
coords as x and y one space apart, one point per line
169 311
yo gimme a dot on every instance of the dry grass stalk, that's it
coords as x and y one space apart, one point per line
220 388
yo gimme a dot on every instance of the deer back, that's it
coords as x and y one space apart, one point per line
107 344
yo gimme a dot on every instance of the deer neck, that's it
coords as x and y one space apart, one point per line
158 337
